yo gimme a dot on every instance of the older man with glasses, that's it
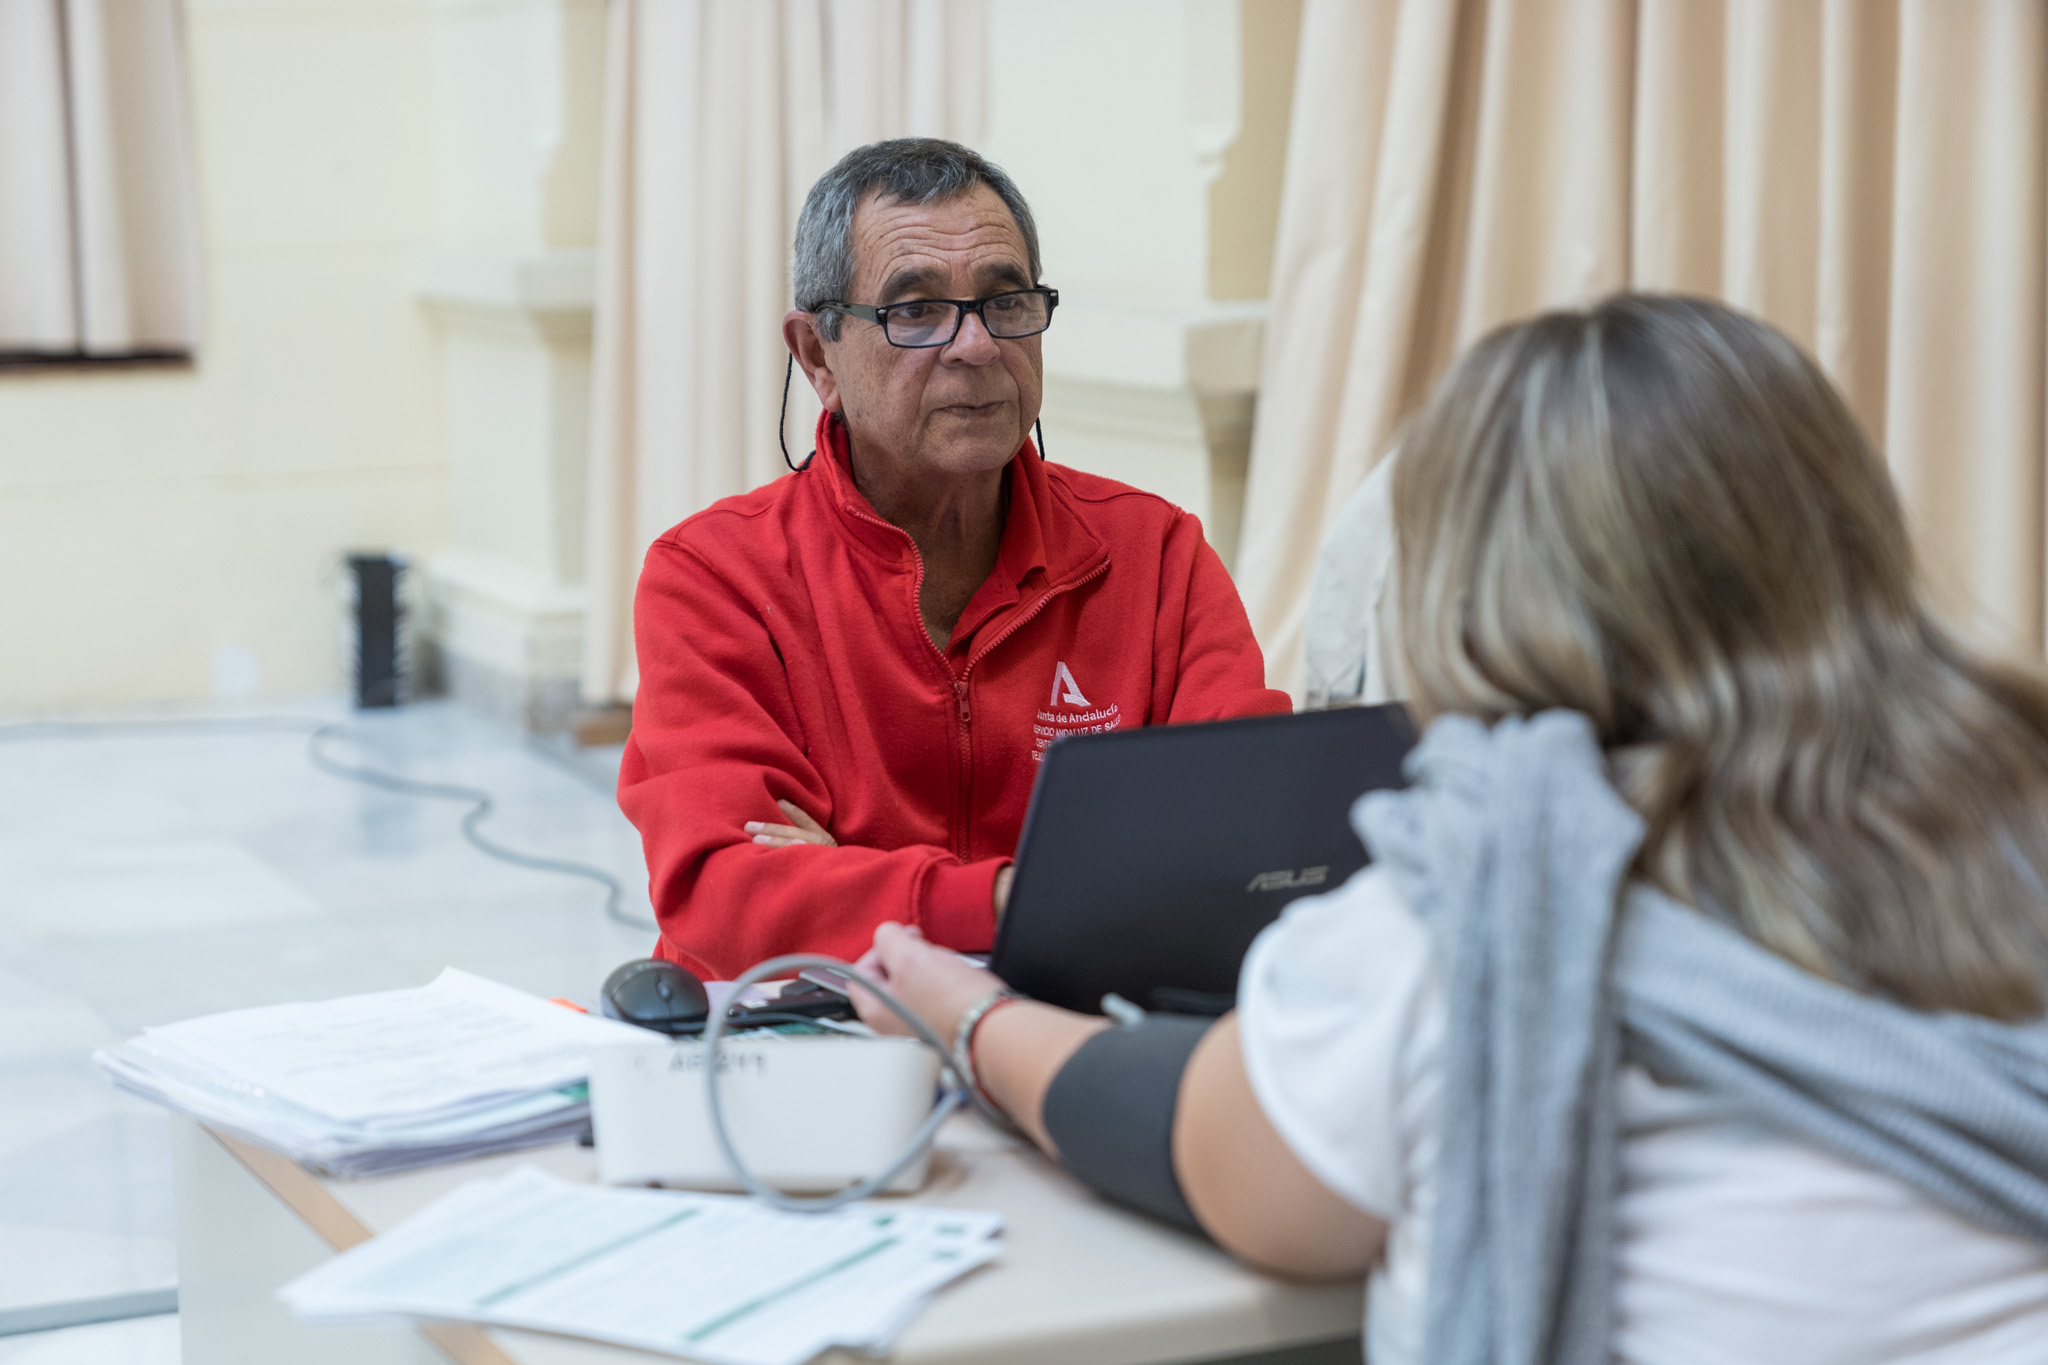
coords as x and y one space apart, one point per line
848 677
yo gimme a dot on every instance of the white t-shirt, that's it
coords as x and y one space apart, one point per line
1734 1245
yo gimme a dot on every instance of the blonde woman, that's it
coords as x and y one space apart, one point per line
1689 1011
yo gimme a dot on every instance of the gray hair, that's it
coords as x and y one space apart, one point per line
904 170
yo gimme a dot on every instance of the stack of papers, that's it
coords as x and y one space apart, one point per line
371 1084
710 1277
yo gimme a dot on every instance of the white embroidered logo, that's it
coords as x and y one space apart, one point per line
1054 722
1063 677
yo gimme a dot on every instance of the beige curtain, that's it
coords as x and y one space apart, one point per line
98 216
1868 175
719 115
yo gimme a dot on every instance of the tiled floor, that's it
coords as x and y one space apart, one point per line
139 1341
151 875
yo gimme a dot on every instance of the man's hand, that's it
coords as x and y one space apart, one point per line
802 829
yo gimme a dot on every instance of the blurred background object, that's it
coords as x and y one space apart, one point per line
496 281
1869 175
99 240
402 207
152 517
382 677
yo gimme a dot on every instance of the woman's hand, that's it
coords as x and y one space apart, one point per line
937 983
1017 1049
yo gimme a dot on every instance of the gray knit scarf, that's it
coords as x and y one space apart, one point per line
1514 850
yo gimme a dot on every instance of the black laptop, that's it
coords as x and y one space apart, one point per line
1151 858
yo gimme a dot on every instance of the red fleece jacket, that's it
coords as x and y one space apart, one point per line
782 655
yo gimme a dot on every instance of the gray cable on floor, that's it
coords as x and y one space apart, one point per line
318 732
481 805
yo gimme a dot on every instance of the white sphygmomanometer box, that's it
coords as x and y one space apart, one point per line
806 1113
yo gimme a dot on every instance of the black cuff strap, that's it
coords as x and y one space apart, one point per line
1110 1113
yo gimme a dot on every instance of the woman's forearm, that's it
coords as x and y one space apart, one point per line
1019 1048
1236 1174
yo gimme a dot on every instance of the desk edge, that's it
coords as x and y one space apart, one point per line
298 1190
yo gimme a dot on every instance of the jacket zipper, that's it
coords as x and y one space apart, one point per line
964 748
1022 621
962 815
960 684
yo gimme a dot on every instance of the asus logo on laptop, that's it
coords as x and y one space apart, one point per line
1286 879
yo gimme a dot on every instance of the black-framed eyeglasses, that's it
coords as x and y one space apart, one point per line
917 323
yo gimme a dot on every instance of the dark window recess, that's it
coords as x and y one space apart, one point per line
14 361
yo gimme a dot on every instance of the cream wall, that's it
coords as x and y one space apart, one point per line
1149 139
509 280
154 523
398 202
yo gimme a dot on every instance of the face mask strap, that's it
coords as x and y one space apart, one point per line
781 439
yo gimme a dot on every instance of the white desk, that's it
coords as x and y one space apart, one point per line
1080 1282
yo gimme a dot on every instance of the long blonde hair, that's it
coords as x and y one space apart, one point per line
1659 513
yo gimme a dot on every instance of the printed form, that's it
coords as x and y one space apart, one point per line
717 1278
459 1041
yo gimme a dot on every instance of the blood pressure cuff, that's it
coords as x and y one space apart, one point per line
1110 1113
